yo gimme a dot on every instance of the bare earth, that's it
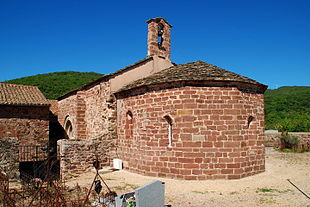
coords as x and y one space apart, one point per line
250 191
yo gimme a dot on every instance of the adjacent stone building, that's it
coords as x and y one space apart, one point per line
24 114
189 121
24 121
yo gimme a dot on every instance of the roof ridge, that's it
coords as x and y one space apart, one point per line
15 84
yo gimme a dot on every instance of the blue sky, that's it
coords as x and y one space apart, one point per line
265 40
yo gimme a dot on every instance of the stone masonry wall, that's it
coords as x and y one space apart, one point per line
9 162
67 108
77 156
273 138
100 111
212 137
80 125
92 112
152 38
30 125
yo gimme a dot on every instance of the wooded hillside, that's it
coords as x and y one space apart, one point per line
53 85
288 108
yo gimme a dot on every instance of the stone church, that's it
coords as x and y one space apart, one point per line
191 121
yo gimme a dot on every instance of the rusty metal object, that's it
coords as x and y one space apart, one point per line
32 153
109 196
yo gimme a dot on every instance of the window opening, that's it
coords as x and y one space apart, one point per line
169 123
129 125
250 119
129 116
68 128
160 33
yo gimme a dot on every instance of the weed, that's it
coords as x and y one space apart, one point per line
284 191
198 192
287 150
265 190
271 190
289 141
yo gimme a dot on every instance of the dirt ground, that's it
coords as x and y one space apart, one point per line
270 188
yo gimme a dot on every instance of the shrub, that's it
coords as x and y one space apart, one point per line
289 141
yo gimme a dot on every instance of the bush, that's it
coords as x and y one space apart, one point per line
289 141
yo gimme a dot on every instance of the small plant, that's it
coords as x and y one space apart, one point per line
287 150
265 190
289 141
271 190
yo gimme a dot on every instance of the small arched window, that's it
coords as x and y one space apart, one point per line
129 125
169 128
68 127
129 116
250 119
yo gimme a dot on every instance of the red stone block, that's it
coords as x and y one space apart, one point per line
185 171
227 171
234 176
235 165
186 160
191 165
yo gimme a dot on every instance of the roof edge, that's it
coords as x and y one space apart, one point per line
105 77
157 19
261 86
14 84
36 105
138 82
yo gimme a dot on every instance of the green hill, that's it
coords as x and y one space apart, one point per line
288 108
56 84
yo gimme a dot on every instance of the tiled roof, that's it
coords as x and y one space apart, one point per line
157 19
21 95
195 71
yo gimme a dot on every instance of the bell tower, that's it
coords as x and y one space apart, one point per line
158 39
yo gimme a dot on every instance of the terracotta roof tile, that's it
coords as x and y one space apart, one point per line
195 71
13 94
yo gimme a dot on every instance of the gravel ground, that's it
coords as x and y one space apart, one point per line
270 188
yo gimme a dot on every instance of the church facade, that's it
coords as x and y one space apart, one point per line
190 121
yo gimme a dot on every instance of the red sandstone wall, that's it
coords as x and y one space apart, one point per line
29 124
211 138
67 107
91 111
77 156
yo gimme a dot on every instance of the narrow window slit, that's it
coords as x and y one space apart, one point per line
169 123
